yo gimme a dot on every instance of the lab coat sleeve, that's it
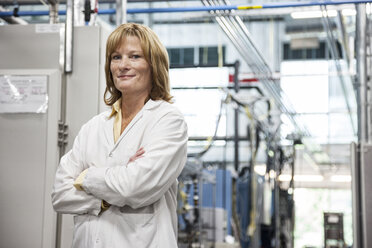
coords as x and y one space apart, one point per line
65 197
144 181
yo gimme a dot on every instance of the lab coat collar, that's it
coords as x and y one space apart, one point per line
150 104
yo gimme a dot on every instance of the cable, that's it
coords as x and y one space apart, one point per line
212 138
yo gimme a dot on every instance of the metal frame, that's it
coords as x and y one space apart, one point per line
361 153
208 7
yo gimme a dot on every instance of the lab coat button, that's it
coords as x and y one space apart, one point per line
110 155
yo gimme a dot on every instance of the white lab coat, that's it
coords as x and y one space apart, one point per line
143 193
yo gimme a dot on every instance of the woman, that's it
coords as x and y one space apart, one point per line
120 178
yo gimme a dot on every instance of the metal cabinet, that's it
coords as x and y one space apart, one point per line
29 152
28 158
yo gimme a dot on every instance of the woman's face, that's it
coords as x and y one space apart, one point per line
130 71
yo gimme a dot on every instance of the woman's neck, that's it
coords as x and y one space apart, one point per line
130 106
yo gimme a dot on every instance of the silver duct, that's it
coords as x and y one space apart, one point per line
361 23
239 35
53 11
121 12
331 41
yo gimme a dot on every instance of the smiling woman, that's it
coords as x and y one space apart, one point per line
120 178
153 52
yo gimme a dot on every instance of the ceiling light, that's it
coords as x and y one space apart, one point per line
341 178
272 174
348 12
313 14
260 169
301 178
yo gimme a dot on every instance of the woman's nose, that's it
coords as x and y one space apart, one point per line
124 63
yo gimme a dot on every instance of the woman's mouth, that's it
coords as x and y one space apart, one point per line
125 76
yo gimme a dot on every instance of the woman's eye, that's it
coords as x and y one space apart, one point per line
135 56
115 57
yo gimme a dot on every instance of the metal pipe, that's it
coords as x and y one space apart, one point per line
331 41
277 223
264 69
66 63
242 7
344 40
356 195
69 26
12 19
240 37
199 8
361 27
53 13
236 119
121 12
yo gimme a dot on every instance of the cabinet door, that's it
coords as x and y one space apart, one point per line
28 160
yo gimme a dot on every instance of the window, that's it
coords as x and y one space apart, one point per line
315 91
200 107
210 56
187 56
321 52
181 56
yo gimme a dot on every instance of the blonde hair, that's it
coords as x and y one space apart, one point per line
155 54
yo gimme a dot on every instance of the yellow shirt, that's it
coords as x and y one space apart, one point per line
116 111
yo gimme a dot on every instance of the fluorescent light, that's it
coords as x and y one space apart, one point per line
348 12
341 178
260 169
318 13
313 14
301 178
285 178
306 14
272 174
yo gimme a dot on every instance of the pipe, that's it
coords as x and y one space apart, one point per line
236 119
121 13
259 66
12 19
53 13
69 36
199 8
66 63
361 24
242 7
331 41
356 195
363 121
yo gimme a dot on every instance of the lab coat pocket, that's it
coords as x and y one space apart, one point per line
80 220
139 226
81 232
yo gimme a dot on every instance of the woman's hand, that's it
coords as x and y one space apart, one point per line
138 155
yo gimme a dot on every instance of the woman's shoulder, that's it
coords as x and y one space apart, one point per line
98 119
101 117
167 107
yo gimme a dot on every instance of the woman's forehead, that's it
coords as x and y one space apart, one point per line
125 39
